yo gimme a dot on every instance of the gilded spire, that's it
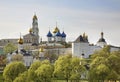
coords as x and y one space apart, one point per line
35 17
84 35
56 29
20 41
41 49
30 30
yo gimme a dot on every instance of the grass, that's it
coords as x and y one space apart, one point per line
1 77
69 81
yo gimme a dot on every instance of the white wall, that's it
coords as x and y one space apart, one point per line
80 48
28 60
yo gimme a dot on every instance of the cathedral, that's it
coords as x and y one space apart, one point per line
56 36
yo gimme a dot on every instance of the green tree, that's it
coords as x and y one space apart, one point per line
22 78
9 48
63 67
12 71
31 72
44 73
67 68
77 69
105 65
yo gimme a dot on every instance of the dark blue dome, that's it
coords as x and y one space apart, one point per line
63 34
58 33
49 34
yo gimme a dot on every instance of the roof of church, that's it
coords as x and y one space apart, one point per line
25 53
82 39
58 33
20 41
29 34
79 39
56 30
63 34
35 17
102 39
49 34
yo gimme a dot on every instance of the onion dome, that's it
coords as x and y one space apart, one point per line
35 17
58 33
30 30
49 34
63 34
41 49
101 39
20 41
56 30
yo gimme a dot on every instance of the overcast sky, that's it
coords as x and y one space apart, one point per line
73 16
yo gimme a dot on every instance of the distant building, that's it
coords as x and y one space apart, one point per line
82 48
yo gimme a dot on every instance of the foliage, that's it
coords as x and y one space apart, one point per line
12 70
44 73
17 57
67 68
22 78
105 65
9 48
31 71
2 60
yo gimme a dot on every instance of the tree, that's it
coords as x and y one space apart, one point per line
22 78
9 48
67 68
12 71
63 67
17 57
31 72
44 73
105 65
77 69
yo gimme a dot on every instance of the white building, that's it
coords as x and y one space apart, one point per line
27 57
82 48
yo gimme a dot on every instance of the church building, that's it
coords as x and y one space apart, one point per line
82 48
57 36
33 36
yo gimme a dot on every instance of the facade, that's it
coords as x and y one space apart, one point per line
82 48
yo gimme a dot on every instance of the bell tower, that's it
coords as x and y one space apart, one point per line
35 25
35 29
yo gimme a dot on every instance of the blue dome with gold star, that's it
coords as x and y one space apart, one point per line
63 34
58 34
49 34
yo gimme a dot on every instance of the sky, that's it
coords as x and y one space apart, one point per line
73 16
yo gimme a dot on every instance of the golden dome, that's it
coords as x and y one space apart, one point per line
34 17
30 30
20 41
84 35
41 49
56 30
